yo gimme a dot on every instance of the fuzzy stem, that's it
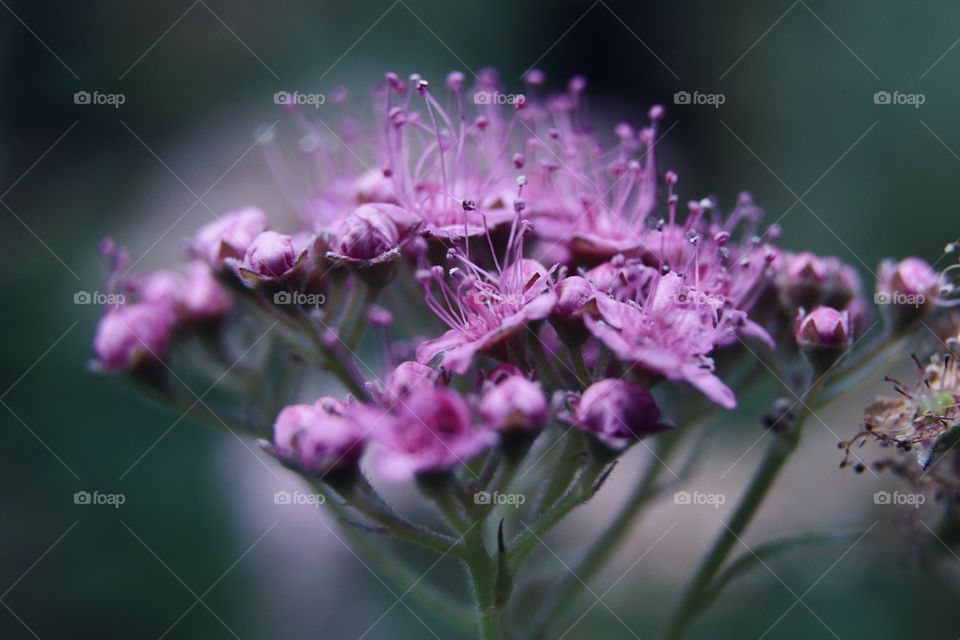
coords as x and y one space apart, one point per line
400 575
607 544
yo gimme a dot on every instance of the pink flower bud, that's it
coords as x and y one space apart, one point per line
573 293
229 236
911 277
129 336
270 255
408 375
515 403
366 233
824 329
618 413
201 298
318 437
161 287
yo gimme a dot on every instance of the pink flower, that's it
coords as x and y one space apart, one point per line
131 335
229 236
486 308
668 337
431 430
318 437
618 413
514 403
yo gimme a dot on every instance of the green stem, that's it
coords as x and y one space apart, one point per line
579 491
359 322
607 544
779 451
332 361
360 495
401 576
482 571
579 365
546 368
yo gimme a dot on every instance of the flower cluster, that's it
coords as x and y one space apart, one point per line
515 280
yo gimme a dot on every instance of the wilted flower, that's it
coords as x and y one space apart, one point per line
923 418
618 413
319 438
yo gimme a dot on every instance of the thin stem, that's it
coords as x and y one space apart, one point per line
579 491
360 495
401 576
607 544
579 365
777 454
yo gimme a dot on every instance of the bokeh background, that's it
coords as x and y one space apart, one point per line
199 550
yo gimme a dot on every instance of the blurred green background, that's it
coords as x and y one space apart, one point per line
799 122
